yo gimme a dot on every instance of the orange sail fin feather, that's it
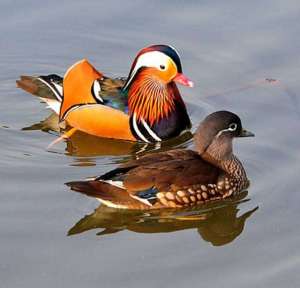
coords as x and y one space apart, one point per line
81 110
77 86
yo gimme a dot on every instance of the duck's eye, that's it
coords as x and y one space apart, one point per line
232 127
162 67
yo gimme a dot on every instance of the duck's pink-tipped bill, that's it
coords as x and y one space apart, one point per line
183 80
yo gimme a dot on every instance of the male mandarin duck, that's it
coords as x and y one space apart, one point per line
177 178
146 106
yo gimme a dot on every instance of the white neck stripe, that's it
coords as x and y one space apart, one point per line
225 130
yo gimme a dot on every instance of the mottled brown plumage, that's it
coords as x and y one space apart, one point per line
177 178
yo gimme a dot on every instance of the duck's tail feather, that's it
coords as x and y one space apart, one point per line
48 87
107 193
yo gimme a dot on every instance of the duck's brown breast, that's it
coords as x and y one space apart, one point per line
201 193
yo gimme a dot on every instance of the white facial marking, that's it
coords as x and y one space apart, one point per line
153 59
232 127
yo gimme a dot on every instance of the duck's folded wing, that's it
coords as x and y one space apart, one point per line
171 175
138 184
160 157
45 87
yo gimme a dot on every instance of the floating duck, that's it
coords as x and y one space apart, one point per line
177 178
147 106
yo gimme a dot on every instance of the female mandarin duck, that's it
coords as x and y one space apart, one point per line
147 106
177 178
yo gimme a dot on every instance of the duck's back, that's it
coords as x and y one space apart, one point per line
169 171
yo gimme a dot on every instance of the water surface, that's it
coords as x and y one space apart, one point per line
53 237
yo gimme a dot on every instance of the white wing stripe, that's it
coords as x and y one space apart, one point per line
118 184
59 88
144 201
51 88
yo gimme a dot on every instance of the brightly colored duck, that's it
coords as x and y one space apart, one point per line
147 106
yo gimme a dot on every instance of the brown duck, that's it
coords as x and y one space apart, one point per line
177 178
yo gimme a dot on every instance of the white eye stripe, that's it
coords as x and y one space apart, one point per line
232 127
154 59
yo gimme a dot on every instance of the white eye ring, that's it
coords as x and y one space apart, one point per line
232 127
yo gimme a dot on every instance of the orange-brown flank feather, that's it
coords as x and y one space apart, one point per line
80 109
101 120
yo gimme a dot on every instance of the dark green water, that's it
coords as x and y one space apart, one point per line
228 48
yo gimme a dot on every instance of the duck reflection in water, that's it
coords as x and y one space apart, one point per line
217 223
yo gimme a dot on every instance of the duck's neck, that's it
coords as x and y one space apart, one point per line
152 100
219 153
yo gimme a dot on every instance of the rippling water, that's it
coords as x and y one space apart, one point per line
53 237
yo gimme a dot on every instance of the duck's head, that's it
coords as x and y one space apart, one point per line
152 92
161 62
213 138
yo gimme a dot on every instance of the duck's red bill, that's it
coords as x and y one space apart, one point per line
183 80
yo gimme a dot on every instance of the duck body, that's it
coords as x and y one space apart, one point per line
146 106
176 178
